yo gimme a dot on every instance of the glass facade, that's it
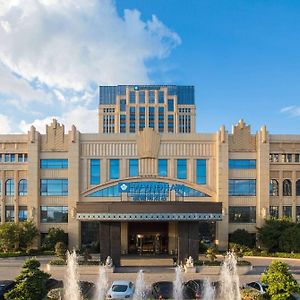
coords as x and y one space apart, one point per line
170 105
151 117
161 97
22 213
54 214
242 214
163 167
142 118
242 164
54 187
23 187
94 171
9 214
287 211
9 187
133 167
111 191
53 163
181 168
114 169
274 212
201 171
242 187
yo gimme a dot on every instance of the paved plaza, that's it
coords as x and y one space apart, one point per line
11 267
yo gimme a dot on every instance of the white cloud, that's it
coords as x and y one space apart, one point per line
293 111
5 124
69 44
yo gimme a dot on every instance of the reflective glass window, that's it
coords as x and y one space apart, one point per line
10 187
163 167
142 97
54 187
23 187
298 187
53 163
12 157
161 97
141 118
274 187
1 155
54 214
132 119
181 168
22 213
122 123
151 97
6 157
111 191
123 105
94 171
114 169
287 187
201 171
133 167
274 212
170 105
242 214
170 123
242 187
151 117
242 164
9 214
132 97
287 211
161 119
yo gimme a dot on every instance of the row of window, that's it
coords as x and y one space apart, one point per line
287 212
140 97
242 164
242 187
10 213
10 187
114 169
286 187
284 157
54 164
13 157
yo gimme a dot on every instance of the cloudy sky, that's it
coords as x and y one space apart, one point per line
242 56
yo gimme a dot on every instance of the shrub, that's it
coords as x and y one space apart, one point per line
202 247
249 294
53 236
30 283
211 254
281 283
289 240
9 236
27 233
60 250
242 237
57 262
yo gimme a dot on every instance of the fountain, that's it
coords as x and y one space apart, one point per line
102 284
208 290
140 292
72 290
177 284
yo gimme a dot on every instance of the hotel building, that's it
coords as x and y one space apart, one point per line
147 182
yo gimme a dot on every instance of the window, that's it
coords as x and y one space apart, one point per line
22 213
274 212
132 119
142 97
142 118
297 158
287 211
242 163
23 187
161 97
287 187
170 105
54 214
7 157
274 157
170 123
274 187
181 169
151 117
1 159
12 157
287 158
242 214
132 97
123 105
54 187
9 214
94 171
242 187
54 163
151 97
298 187
0 187
122 123
133 167
163 167
111 191
161 119
114 169
9 187
20 158
298 213
201 171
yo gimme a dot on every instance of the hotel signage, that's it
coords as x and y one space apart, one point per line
150 187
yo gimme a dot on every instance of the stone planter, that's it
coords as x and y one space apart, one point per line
215 270
82 269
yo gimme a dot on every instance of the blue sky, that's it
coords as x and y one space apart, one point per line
242 56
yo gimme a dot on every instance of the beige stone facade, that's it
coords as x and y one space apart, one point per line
277 157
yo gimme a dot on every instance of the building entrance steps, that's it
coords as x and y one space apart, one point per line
146 261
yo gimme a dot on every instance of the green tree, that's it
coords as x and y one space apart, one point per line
53 236
27 233
30 283
242 237
269 234
60 250
238 250
9 236
250 294
211 254
281 283
290 239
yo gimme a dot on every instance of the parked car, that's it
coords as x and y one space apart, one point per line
5 286
162 290
193 289
256 285
120 290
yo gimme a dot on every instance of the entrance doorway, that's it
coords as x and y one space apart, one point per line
148 238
